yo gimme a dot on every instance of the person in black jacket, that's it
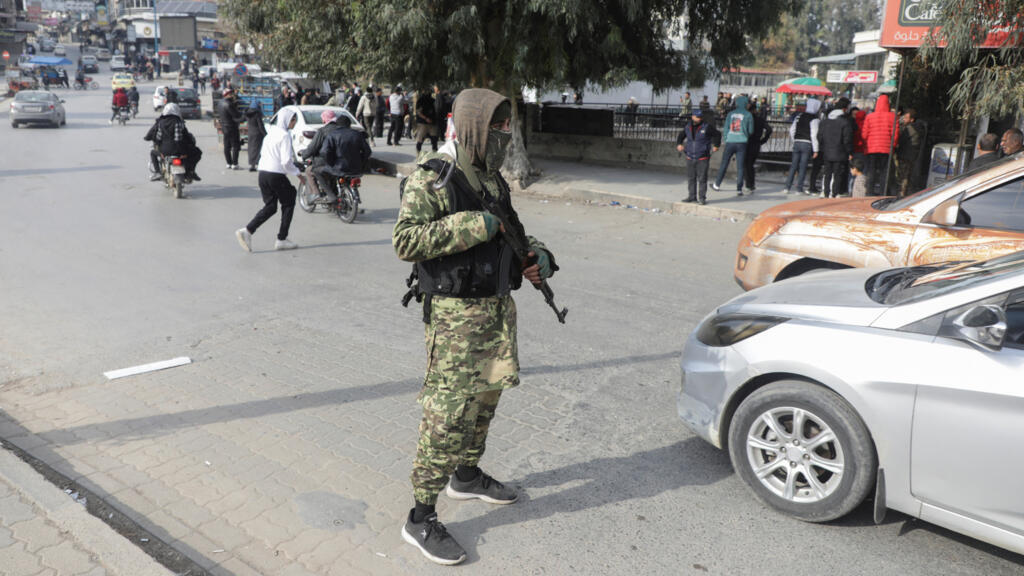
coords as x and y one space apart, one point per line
256 131
835 146
345 151
698 140
762 132
230 118
170 137
986 154
312 150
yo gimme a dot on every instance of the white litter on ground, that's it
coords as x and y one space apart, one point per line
151 367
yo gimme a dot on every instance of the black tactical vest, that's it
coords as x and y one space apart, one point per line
487 269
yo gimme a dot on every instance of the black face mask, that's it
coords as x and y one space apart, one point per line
496 148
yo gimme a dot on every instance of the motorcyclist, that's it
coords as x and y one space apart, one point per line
310 153
170 137
344 152
133 100
80 76
120 101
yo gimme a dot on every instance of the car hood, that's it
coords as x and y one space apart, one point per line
859 208
837 296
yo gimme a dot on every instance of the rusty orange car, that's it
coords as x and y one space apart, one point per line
975 216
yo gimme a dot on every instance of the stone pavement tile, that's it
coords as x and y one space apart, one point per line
16 560
269 561
232 501
330 553
66 559
165 526
252 508
159 493
305 542
36 534
267 532
190 513
296 569
131 476
132 503
13 510
228 536
198 548
235 567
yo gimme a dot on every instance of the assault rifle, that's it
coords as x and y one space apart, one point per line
515 239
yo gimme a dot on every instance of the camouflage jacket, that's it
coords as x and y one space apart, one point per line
471 342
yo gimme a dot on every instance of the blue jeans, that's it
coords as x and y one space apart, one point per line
739 149
802 153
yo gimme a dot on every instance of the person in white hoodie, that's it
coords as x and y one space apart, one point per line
277 161
804 132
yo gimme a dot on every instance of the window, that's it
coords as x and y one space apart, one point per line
1001 208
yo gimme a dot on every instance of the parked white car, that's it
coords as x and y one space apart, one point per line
902 383
117 63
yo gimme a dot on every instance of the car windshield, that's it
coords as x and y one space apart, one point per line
32 97
904 285
313 116
186 93
892 204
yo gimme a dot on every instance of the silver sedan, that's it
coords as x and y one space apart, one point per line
906 384
37 107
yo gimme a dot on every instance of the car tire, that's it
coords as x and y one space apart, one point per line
818 484
14 124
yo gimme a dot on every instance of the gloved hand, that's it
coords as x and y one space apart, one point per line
544 263
492 223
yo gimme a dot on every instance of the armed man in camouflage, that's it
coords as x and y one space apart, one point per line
466 275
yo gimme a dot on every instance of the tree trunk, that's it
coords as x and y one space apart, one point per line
517 166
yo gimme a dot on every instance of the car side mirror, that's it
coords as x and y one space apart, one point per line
984 325
945 214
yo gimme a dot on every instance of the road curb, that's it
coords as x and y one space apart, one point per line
70 517
573 193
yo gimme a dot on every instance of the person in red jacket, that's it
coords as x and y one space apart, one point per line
120 99
878 137
859 145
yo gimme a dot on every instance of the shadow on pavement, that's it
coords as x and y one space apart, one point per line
605 481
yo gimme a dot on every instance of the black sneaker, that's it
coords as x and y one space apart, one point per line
433 540
483 487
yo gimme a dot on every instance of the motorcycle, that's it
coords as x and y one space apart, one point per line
87 83
346 189
123 115
174 174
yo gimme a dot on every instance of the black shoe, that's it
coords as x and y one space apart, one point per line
195 177
433 540
154 177
690 200
252 168
702 201
483 487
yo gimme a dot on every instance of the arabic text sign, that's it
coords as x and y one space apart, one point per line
852 77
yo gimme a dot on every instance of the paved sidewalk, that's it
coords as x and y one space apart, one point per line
44 531
639 188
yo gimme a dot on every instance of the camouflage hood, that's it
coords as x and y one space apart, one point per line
472 117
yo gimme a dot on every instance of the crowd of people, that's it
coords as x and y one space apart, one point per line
837 148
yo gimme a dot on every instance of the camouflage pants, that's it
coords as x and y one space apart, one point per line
453 431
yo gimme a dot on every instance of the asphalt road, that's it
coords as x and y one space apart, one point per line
285 447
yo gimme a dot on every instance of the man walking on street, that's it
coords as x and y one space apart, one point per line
276 162
739 125
835 148
366 111
466 276
804 133
230 118
396 106
380 113
698 140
